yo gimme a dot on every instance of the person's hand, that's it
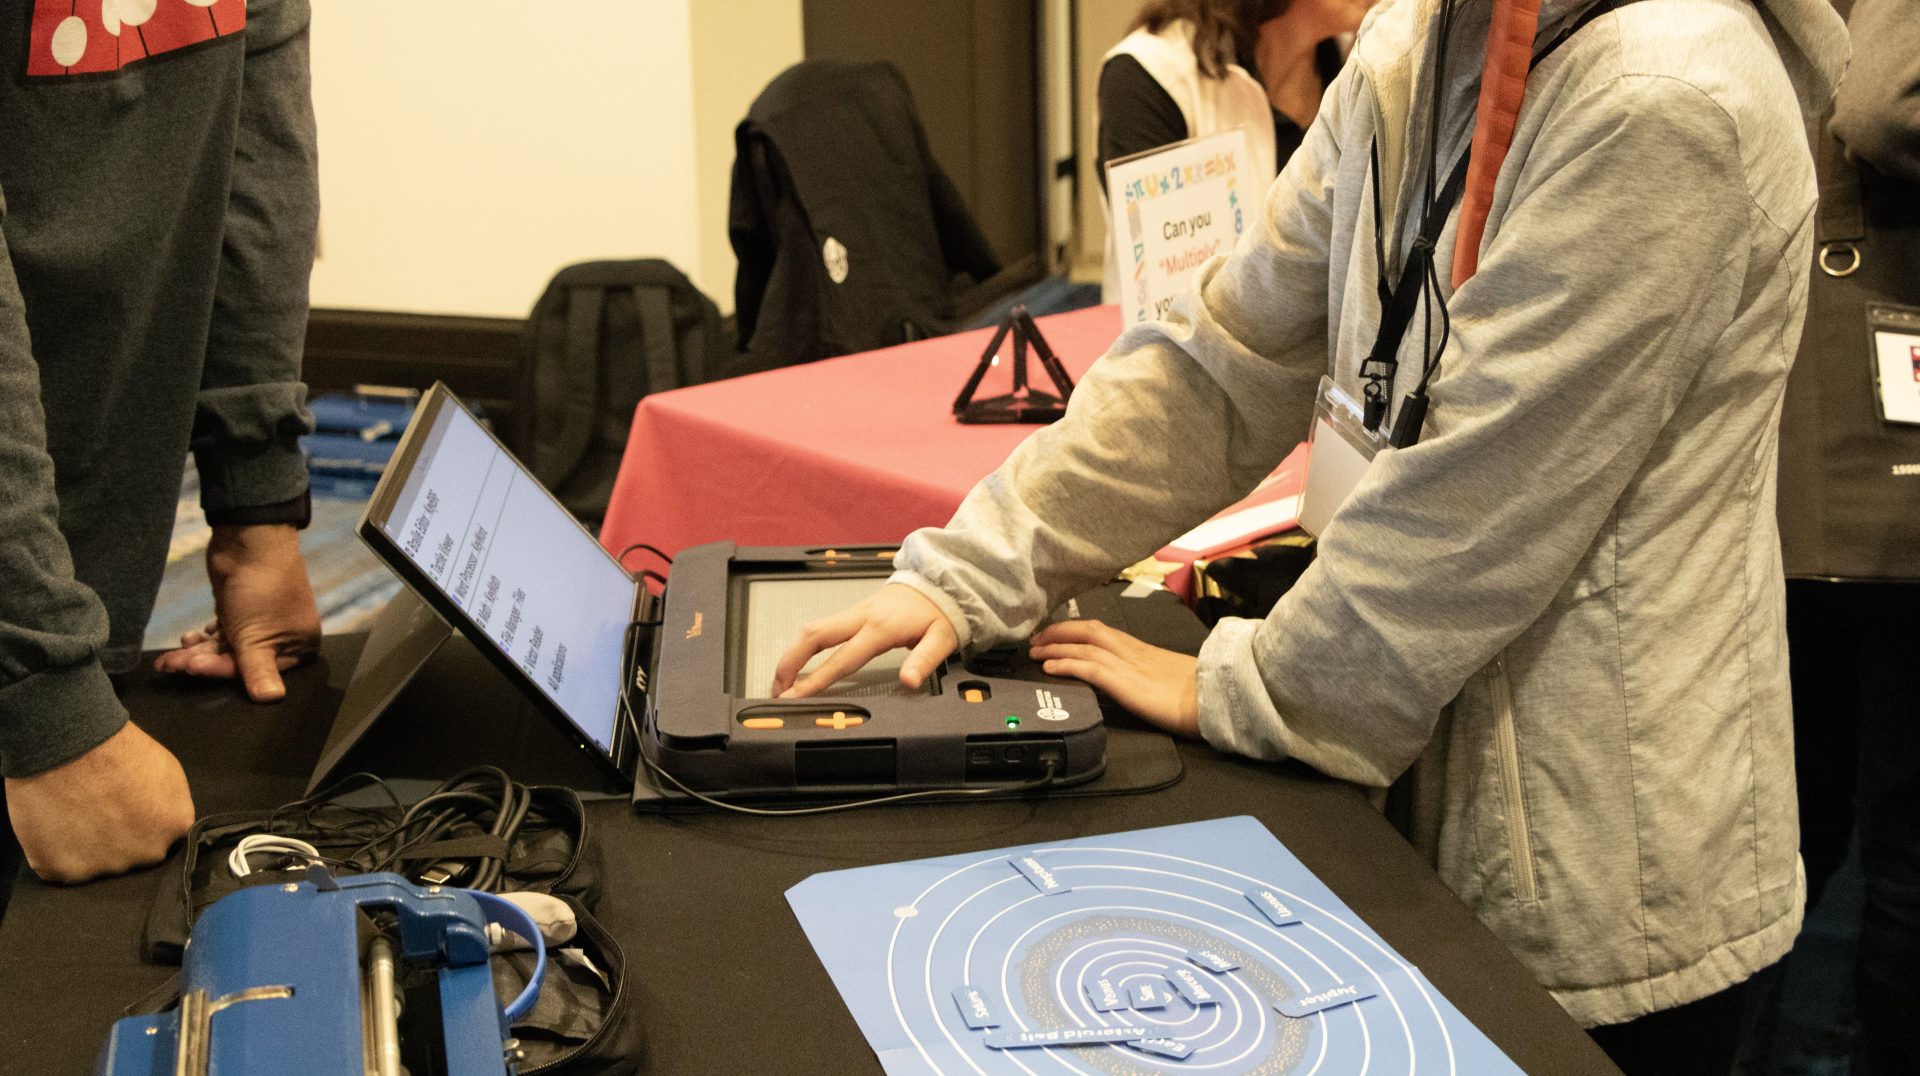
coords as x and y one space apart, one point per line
265 621
115 808
1159 685
896 615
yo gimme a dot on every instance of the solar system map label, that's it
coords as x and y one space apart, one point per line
1204 947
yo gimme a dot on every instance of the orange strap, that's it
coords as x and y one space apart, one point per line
1503 86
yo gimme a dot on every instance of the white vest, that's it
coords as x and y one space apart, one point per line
1209 105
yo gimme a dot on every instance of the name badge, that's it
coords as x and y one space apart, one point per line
1895 331
1339 450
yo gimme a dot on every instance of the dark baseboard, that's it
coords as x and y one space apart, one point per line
477 357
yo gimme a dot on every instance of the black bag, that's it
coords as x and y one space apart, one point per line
849 235
550 853
1250 586
582 1023
603 335
1847 493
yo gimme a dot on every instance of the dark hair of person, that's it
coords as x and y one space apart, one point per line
1223 30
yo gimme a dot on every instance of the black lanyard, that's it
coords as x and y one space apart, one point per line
1401 299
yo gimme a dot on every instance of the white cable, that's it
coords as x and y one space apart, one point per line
254 843
556 921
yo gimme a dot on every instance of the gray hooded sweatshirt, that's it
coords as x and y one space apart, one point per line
158 205
1566 600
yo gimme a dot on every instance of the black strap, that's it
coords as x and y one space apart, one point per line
1403 300
1840 218
1400 301
567 388
472 846
657 337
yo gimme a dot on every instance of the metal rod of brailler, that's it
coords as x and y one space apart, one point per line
193 1024
385 1005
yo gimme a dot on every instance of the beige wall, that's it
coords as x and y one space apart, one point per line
1102 24
465 159
738 47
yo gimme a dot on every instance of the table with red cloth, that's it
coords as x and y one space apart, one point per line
861 449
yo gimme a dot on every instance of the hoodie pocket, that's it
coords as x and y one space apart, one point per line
1526 887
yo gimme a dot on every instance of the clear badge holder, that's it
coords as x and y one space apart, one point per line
1895 332
1339 450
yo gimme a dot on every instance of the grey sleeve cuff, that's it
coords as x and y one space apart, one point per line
948 607
54 717
1236 714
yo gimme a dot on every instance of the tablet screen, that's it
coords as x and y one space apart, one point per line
527 578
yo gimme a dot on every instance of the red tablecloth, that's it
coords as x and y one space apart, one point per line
862 448
858 449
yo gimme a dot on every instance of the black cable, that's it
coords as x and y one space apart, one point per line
1446 331
655 550
1382 362
1439 92
1379 228
1412 413
483 801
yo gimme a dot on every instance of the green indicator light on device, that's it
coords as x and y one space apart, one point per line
1013 721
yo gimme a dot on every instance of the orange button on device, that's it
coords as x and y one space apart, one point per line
839 720
764 723
974 694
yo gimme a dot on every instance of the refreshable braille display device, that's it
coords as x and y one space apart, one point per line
676 686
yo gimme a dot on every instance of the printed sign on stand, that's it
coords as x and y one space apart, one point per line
1174 208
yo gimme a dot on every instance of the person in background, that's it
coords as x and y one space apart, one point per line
1191 68
157 171
1850 528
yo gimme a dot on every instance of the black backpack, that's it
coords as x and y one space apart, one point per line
603 335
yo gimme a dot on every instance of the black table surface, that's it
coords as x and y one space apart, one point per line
723 978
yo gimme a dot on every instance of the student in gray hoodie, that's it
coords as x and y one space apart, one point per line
1565 601
157 171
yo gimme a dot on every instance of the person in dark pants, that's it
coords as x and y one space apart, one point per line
1850 521
157 178
1856 693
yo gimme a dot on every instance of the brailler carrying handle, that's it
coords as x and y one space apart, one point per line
512 917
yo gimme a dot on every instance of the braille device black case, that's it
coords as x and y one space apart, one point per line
1022 725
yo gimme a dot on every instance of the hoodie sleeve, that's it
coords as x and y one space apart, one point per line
252 406
1180 419
55 700
1876 112
1568 359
